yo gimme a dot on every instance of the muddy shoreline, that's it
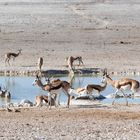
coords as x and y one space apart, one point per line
58 72
54 72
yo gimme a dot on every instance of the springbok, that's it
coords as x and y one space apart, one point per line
5 93
99 88
10 55
40 98
90 88
54 87
40 63
70 61
122 85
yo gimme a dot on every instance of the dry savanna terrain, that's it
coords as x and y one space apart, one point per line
97 122
106 33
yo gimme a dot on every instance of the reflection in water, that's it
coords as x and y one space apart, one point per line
9 82
5 100
77 80
71 79
21 87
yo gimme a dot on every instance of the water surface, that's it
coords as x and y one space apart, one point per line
22 88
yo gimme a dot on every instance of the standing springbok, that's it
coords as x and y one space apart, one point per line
70 61
54 87
10 55
122 84
40 63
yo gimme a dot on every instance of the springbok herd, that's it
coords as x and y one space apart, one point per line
56 86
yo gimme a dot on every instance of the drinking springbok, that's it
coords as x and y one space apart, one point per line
10 55
54 87
122 84
70 61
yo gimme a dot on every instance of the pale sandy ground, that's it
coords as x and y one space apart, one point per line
105 32
92 123
56 29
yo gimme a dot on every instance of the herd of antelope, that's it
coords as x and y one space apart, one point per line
56 86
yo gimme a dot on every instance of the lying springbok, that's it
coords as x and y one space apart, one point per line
40 98
54 87
10 55
90 88
122 84
70 61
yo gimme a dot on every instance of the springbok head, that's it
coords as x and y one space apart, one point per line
5 92
105 75
79 58
39 83
48 79
36 81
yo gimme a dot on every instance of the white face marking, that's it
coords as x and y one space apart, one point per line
34 82
103 80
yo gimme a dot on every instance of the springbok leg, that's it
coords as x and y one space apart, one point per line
68 100
49 100
125 97
115 97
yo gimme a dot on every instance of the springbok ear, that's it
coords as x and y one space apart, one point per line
49 79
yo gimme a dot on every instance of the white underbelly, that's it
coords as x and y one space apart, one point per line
126 87
57 91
